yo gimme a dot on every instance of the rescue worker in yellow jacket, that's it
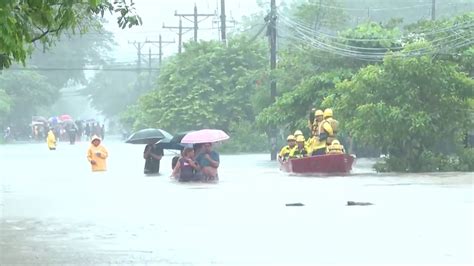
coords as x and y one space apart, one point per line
300 150
286 150
51 140
298 133
317 146
97 155
328 117
335 148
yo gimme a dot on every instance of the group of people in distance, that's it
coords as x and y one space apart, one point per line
323 138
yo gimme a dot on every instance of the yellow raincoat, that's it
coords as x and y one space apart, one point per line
51 140
97 155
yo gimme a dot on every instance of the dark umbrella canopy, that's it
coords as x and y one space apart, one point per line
168 144
147 136
178 137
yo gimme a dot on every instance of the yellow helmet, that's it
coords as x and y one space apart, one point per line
328 112
335 142
298 133
290 137
318 113
300 138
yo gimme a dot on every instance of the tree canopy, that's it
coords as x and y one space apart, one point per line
24 22
407 106
208 85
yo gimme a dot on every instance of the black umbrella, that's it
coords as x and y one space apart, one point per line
178 137
147 136
168 144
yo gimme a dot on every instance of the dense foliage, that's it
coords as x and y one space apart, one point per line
407 106
24 22
208 85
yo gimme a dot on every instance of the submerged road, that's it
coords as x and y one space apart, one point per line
53 210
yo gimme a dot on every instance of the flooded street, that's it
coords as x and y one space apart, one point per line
55 211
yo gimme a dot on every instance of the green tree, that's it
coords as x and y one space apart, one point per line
208 85
70 54
28 92
24 22
112 91
407 105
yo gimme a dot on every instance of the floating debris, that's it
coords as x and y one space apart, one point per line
356 203
294 204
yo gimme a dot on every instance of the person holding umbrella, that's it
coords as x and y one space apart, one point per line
208 161
152 155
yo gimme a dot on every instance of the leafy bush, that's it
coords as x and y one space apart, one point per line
429 161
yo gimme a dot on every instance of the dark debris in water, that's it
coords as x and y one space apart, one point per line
294 204
357 203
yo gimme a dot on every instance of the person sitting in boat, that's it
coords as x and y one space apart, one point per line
328 118
286 150
300 150
335 148
317 146
300 133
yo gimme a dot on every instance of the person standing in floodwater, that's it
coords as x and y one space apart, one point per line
152 156
208 161
51 140
97 155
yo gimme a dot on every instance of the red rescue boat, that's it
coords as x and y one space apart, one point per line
329 163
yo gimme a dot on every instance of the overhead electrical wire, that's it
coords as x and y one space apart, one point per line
338 44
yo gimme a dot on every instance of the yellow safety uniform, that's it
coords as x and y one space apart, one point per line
51 140
335 148
286 151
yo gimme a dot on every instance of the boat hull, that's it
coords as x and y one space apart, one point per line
329 163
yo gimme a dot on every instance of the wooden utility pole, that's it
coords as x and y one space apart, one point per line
433 9
272 35
195 20
223 33
180 29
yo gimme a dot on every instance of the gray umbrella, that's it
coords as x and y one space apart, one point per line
148 136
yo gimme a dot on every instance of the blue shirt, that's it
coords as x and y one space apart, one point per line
203 161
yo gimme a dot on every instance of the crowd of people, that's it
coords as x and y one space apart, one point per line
323 138
71 131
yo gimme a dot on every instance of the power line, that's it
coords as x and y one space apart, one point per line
79 69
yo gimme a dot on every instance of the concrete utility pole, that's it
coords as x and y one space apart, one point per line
160 43
138 46
223 33
433 9
272 35
180 29
195 21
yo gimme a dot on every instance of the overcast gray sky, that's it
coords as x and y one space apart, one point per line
156 12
